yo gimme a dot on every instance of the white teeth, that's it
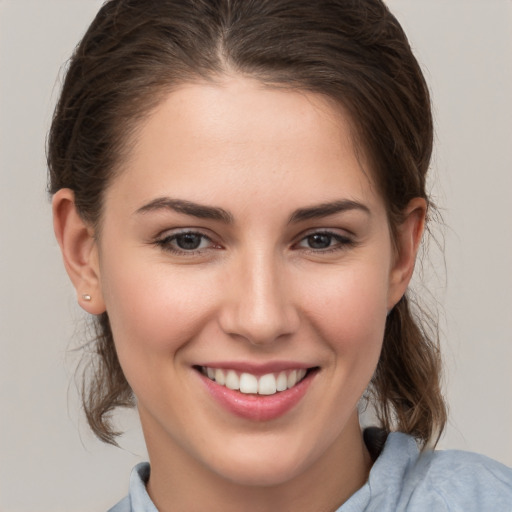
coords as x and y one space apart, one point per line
248 383
219 377
292 378
268 384
232 380
282 382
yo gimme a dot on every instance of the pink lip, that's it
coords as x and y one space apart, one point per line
257 407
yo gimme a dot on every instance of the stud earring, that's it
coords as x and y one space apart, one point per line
86 297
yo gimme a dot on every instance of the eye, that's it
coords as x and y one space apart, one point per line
325 241
185 242
189 241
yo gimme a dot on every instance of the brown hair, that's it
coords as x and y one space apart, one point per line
353 51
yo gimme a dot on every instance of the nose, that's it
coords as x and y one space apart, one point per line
259 305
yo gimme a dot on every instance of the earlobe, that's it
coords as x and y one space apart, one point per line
79 251
408 239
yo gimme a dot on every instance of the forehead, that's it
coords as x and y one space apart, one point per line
204 137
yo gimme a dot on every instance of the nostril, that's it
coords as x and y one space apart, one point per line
259 325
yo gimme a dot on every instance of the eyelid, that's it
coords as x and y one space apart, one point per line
344 240
164 233
334 232
164 239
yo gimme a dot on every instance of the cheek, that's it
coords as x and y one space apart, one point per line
153 312
348 309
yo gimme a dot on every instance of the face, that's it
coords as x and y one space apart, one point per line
244 245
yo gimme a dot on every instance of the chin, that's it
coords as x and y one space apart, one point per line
263 467
265 474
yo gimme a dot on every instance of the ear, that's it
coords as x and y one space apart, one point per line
408 238
79 251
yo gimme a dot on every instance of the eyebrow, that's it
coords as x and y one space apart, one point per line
188 208
326 209
216 213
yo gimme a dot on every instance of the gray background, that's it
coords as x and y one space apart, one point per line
48 459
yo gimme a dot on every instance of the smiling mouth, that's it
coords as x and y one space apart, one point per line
247 383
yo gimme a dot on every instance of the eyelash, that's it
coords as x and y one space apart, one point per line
343 243
165 243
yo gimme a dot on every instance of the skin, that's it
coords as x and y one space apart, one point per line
254 291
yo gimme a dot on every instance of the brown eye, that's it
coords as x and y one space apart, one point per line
185 242
324 241
319 241
188 241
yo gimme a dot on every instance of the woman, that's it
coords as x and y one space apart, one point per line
239 195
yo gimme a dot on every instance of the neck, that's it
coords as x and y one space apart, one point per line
179 483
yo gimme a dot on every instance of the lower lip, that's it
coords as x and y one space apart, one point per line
258 407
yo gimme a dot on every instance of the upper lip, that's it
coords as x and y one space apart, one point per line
258 368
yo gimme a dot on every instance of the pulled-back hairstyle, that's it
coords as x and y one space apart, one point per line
352 51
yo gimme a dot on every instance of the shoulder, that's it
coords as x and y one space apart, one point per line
438 480
463 481
123 506
138 499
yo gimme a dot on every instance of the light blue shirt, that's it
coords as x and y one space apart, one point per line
400 480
